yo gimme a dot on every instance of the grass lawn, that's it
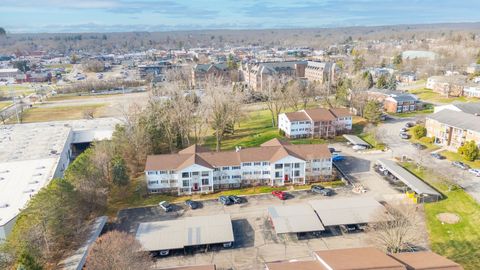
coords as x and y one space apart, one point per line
43 114
427 110
456 157
461 241
428 95
18 89
369 138
4 104
73 97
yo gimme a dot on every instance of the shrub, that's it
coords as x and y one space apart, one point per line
419 132
469 151
427 140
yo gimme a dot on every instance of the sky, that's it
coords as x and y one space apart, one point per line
31 16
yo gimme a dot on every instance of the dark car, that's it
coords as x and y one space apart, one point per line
235 199
279 194
419 146
437 156
316 188
349 228
166 206
404 136
225 200
409 125
460 165
326 192
331 149
192 204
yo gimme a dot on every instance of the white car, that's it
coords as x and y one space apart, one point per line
475 172
359 147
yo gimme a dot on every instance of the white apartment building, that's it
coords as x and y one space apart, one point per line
322 123
276 163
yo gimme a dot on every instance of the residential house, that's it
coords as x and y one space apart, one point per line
466 107
473 68
451 129
316 123
201 72
8 73
276 163
321 72
256 75
402 103
406 77
472 91
411 54
449 86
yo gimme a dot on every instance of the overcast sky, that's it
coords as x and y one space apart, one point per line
157 15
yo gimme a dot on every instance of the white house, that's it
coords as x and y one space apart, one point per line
275 163
322 123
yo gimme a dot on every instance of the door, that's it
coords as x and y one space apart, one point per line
195 186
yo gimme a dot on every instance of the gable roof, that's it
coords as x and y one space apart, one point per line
271 151
358 259
425 260
297 116
457 119
468 107
320 114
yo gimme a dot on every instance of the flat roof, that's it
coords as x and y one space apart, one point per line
356 140
425 260
192 267
77 260
358 259
19 181
295 265
409 179
190 231
294 218
344 211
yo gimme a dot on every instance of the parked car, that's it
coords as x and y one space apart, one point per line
475 172
235 199
166 206
349 228
331 149
192 204
326 192
419 146
404 136
359 147
403 130
279 194
437 156
316 188
225 200
338 158
460 165
409 125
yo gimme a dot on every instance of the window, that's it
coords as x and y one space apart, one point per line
194 173
225 177
296 173
278 166
236 168
152 182
266 172
287 165
257 163
205 181
216 169
257 172
205 173
162 172
185 175
278 174
185 183
247 164
265 163
164 181
236 176
297 165
225 168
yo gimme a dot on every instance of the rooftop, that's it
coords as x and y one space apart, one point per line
425 260
358 259
190 231
294 219
356 140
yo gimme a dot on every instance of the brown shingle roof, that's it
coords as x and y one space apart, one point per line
320 114
300 265
196 267
368 258
341 112
425 260
297 116
271 151
194 149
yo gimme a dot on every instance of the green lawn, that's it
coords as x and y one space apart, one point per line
456 157
369 138
4 104
43 114
428 95
461 241
18 89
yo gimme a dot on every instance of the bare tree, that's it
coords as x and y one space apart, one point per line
117 250
276 96
397 228
223 107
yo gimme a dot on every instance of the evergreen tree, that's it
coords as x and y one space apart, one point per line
373 111
119 172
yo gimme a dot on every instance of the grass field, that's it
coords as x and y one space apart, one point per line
74 97
456 157
461 241
4 104
369 138
43 114
430 96
6 90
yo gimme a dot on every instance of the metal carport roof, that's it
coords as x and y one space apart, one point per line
356 140
190 231
294 219
344 211
409 179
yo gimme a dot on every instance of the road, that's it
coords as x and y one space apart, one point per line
389 134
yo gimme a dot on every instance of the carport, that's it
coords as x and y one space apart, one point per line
348 211
298 218
355 140
187 232
424 192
